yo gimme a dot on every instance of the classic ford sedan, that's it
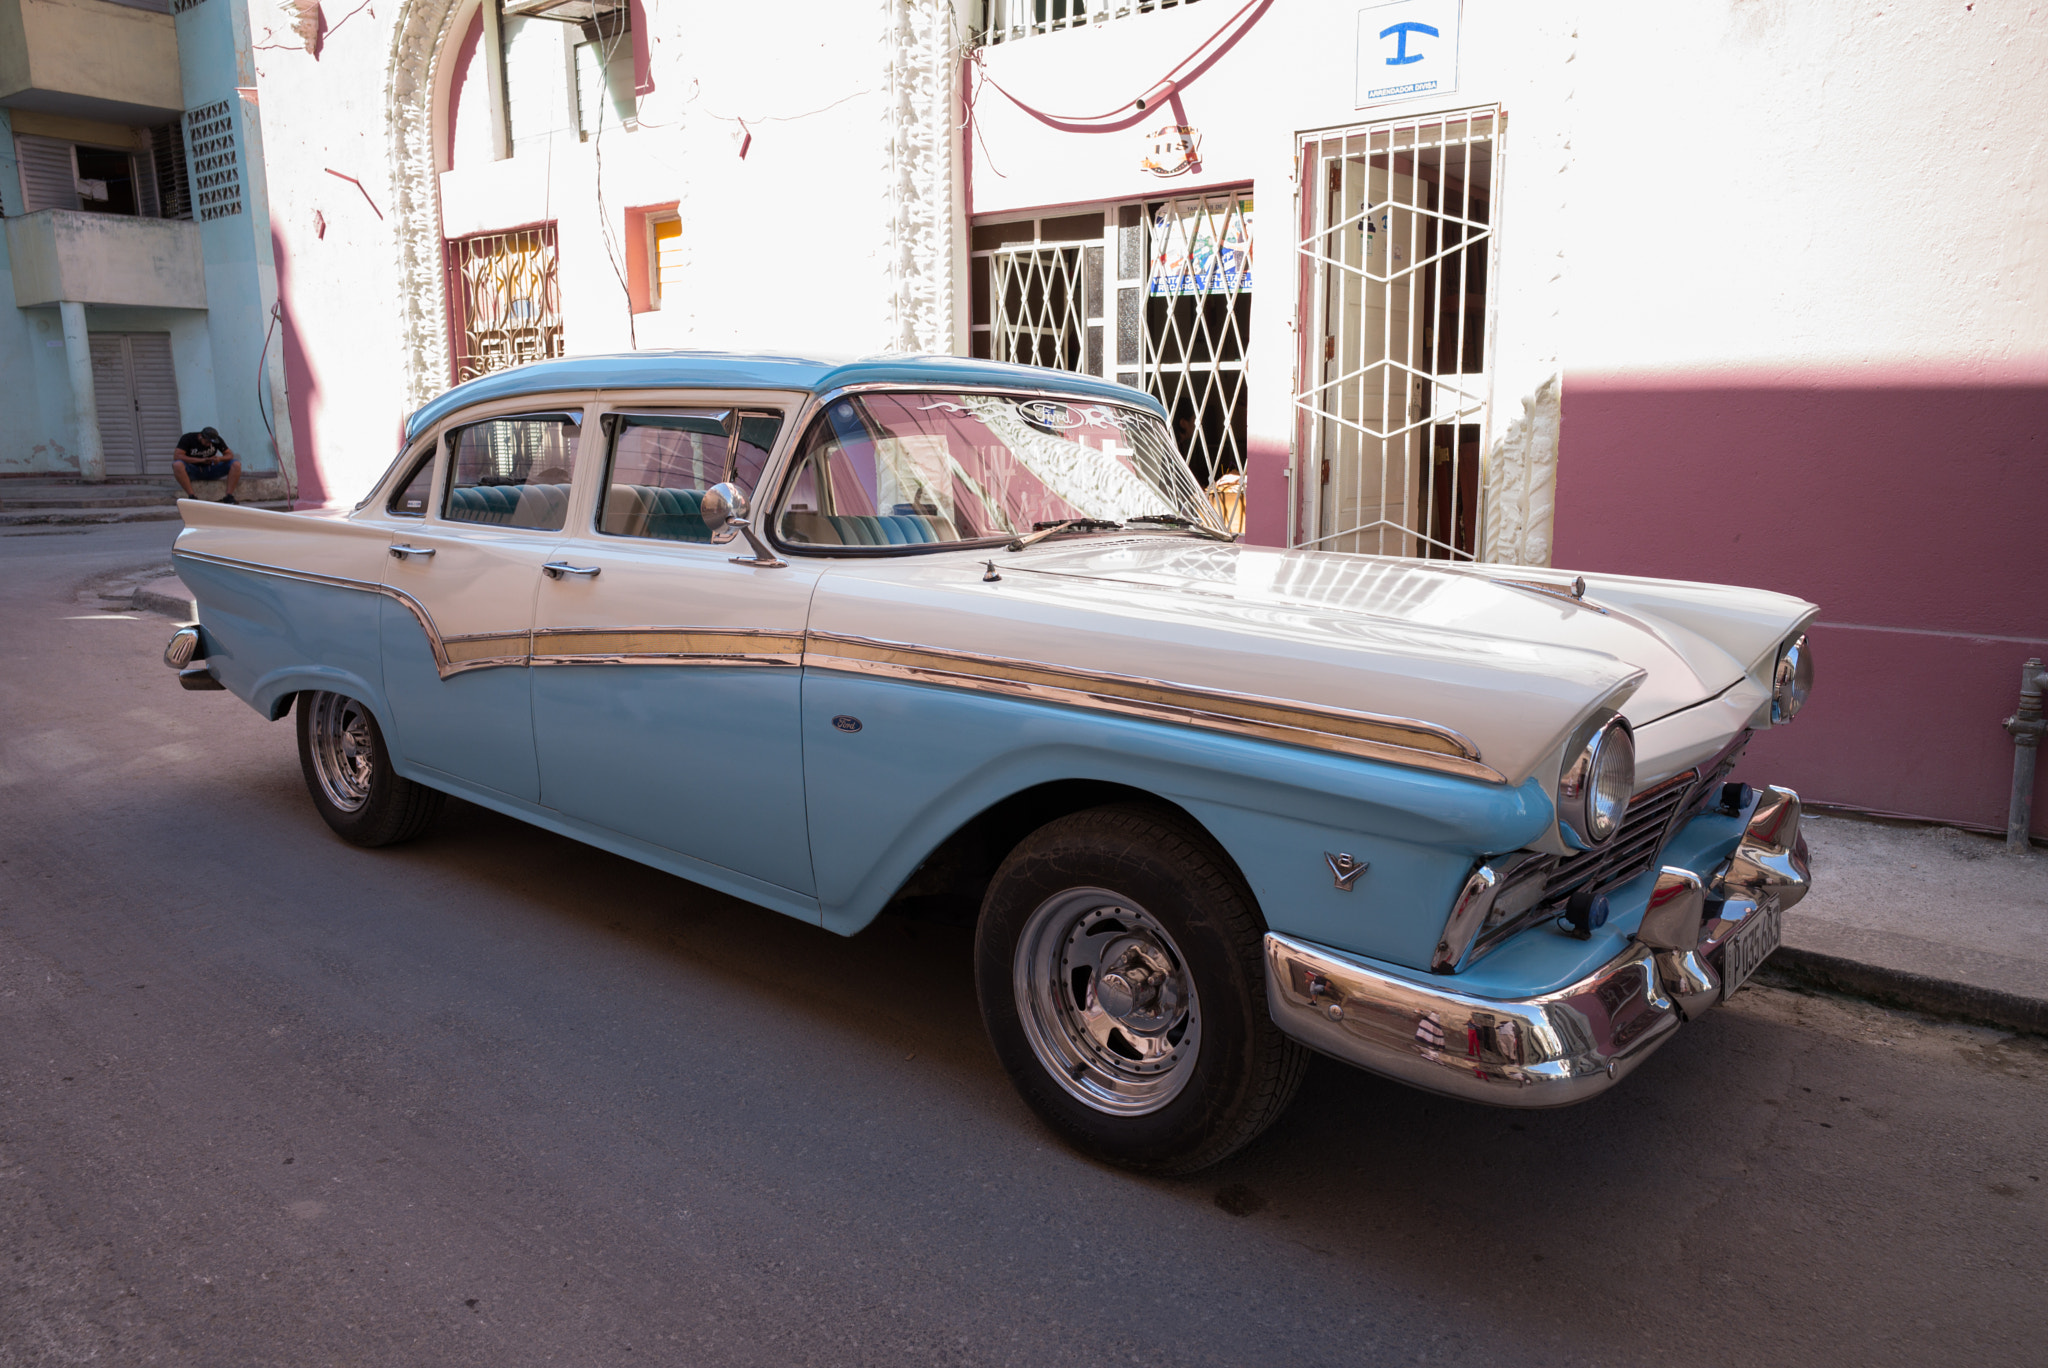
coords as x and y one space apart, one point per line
964 637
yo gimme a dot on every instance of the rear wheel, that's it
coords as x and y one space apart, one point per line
348 771
1119 960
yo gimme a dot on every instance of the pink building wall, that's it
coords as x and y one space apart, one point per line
1912 506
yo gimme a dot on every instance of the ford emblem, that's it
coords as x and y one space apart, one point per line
846 724
1046 414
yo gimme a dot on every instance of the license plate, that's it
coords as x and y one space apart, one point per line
1750 946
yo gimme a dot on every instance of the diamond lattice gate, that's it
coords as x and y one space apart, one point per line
1394 380
1155 294
1184 302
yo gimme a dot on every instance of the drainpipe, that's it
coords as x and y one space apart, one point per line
85 413
2026 727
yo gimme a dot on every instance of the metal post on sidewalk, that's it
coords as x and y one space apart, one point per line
2026 727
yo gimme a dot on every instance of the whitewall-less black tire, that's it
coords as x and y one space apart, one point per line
1118 960
348 772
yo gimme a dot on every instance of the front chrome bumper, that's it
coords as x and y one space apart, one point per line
1560 1047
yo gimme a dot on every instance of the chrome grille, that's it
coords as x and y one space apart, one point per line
1653 815
1634 848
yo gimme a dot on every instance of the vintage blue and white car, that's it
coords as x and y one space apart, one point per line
989 650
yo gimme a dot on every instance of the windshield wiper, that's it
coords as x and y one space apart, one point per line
1040 531
1176 520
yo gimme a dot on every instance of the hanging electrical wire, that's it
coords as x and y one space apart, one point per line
1177 78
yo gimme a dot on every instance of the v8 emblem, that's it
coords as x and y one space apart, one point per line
1344 870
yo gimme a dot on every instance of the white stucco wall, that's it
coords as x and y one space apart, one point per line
785 247
1730 184
1818 186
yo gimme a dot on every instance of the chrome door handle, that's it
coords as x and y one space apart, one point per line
408 552
556 569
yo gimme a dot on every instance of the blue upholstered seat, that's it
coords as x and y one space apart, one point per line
540 507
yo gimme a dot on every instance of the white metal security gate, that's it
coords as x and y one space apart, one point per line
135 396
1156 294
1394 381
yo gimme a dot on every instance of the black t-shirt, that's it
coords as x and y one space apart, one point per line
195 447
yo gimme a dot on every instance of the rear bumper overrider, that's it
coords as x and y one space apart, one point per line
1560 1047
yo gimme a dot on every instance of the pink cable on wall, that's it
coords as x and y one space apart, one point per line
1178 77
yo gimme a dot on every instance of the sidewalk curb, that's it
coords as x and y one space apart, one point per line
182 609
1791 967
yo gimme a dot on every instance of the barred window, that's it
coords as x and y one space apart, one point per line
504 300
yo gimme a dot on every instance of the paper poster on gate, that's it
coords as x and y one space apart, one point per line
1201 247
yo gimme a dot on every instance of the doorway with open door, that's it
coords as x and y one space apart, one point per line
1393 386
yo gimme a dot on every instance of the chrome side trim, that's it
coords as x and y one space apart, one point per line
1397 740
559 645
666 646
412 605
1371 736
1545 1051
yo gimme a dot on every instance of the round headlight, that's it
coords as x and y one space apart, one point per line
1593 791
1792 681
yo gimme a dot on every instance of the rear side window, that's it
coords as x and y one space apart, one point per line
416 491
513 472
661 464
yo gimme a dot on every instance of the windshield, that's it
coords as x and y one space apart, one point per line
886 470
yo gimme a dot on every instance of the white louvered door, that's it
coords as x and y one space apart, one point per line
49 177
135 390
156 399
114 397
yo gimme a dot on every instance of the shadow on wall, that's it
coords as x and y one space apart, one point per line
300 386
1914 513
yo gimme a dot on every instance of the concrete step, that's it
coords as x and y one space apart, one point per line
26 494
10 517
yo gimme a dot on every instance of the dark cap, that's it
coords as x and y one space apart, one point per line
210 434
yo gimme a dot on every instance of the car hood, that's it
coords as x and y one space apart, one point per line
1504 656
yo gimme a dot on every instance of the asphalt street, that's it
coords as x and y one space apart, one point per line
496 1098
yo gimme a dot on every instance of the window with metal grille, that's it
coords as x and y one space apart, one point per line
1006 21
1394 381
1156 294
504 301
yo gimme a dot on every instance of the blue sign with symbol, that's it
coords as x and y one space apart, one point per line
1402 56
1418 39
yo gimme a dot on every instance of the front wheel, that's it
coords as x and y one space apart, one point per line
1119 964
348 771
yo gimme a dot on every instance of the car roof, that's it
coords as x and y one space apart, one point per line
742 370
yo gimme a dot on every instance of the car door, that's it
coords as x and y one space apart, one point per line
666 676
457 630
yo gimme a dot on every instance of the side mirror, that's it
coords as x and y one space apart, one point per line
724 511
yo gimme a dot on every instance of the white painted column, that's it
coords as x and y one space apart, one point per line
85 413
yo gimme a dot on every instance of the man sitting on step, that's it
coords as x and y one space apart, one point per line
202 455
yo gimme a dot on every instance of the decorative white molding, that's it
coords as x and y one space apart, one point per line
1521 483
923 75
417 38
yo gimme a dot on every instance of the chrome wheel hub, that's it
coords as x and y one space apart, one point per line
1106 1001
343 756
